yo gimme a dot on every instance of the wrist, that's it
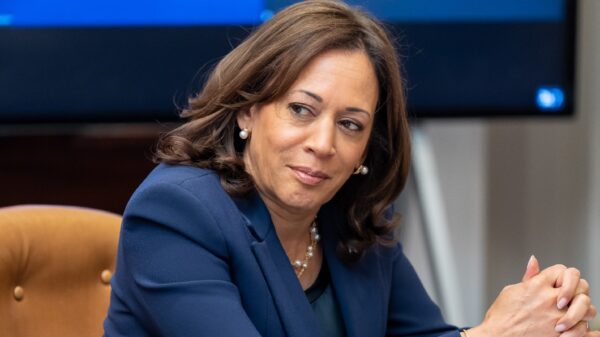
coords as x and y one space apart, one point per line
477 331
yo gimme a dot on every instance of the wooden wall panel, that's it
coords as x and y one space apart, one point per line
95 167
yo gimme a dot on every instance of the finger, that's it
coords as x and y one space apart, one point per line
552 274
577 311
579 330
583 287
591 313
570 282
533 268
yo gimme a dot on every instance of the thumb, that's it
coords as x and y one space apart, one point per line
533 268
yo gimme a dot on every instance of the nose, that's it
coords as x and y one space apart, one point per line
321 138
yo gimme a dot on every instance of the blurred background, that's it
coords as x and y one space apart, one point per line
504 93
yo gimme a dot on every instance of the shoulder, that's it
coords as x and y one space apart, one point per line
197 183
184 176
181 197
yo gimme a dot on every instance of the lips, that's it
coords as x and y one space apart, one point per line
309 176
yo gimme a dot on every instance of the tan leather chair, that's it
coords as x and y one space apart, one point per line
55 268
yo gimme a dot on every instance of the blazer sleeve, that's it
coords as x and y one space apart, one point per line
172 271
412 313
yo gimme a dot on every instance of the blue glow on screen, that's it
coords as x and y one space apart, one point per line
465 10
111 13
550 98
5 20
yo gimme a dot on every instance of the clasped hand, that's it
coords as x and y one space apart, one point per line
550 303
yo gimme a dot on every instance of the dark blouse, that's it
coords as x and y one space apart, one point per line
322 299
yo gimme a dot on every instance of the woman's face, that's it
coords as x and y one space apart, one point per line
305 145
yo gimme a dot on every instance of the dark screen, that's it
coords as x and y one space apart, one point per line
140 60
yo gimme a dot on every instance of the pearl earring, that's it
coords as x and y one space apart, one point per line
244 134
362 170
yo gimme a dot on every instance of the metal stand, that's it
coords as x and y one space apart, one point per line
436 228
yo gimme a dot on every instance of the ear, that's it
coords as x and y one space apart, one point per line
245 117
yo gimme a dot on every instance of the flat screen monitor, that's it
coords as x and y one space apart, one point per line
128 61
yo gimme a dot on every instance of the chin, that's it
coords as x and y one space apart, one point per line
303 201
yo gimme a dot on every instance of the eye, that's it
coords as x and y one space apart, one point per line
300 110
350 125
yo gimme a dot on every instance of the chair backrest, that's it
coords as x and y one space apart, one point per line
55 268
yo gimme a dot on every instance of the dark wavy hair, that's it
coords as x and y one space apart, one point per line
261 69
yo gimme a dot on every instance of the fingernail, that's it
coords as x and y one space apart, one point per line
560 328
562 303
530 261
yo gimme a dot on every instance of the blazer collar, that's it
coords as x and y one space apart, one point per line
357 286
256 215
297 316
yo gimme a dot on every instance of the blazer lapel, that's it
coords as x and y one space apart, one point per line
357 286
297 316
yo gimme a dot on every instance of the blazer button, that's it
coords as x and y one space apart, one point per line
106 276
18 293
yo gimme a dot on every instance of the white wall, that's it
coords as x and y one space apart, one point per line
513 188
460 154
460 149
589 103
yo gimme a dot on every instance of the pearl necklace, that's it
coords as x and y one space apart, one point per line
301 265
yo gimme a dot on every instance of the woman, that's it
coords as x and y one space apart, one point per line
268 215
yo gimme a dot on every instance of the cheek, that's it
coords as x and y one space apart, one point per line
271 149
279 139
351 155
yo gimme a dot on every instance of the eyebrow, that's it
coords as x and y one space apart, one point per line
320 100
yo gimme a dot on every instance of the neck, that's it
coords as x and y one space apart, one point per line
292 227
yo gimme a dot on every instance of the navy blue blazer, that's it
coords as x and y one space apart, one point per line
192 261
